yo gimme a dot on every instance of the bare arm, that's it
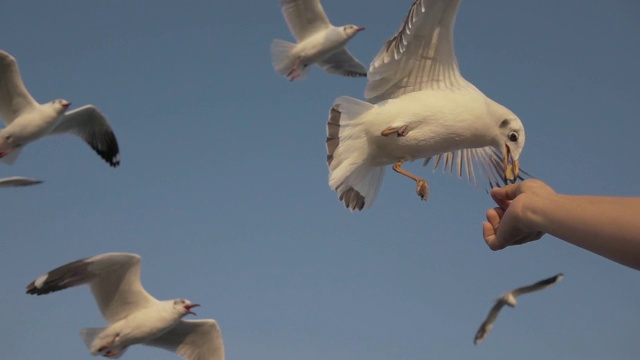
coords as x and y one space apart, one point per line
607 226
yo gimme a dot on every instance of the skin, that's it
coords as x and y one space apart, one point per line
605 225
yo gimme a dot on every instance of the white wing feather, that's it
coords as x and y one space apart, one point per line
14 97
304 17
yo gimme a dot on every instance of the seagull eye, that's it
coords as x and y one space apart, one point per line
513 136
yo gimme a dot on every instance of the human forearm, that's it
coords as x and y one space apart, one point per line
608 226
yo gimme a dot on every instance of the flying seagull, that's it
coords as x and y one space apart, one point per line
319 42
509 299
18 181
27 121
134 316
419 107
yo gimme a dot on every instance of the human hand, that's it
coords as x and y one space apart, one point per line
509 223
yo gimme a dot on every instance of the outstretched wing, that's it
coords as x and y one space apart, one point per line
341 62
304 17
92 126
542 284
114 279
15 181
14 97
420 56
193 340
487 325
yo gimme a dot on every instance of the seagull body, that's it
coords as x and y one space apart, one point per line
27 121
18 181
509 299
420 107
319 42
134 316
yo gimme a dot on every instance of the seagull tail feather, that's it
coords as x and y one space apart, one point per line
351 175
281 56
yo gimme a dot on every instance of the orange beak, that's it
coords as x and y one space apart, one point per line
511 166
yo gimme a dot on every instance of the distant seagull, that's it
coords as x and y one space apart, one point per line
509 299
420 107
134 316
18 181
27 121
319 42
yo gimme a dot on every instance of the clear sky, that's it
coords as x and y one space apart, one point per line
223 184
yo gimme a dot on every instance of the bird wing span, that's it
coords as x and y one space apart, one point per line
341 62
15 181
114 279
304 17
92 126
542 284
486 326
14 97
420 56
193 340
486 160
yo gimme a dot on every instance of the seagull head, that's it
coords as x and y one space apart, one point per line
510 142
60 105
351 30
184 306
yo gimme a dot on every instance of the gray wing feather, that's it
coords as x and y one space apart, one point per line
92 126
542 284
487 325
14 97
193 340
16 181
304 17
420 55
341 62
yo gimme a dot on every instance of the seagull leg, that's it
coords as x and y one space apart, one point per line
104 349
400 131
294 67
299 73
5 153
422 189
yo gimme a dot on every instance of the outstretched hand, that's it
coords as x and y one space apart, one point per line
509 223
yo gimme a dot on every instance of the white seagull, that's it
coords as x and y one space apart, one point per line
419 107
509 299
319 42
16 181
134 316
27 121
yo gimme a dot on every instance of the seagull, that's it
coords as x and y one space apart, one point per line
18 181
27 121
419 107
134 316
319 42
509 299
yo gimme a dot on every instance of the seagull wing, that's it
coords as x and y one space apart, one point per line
420 56
341 62
92 126
486 160
193 340
14 97
114 279
542 284
16 181
304 17
487 325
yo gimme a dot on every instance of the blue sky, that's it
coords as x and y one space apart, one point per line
223 184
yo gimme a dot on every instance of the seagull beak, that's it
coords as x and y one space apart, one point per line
189 307
511 166
360 29
66 106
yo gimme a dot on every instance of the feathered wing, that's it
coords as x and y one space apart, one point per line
486 160
14 97
92 126
487 324
341 62
420 56
540 285
193 340
16 181
114 279
304 17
